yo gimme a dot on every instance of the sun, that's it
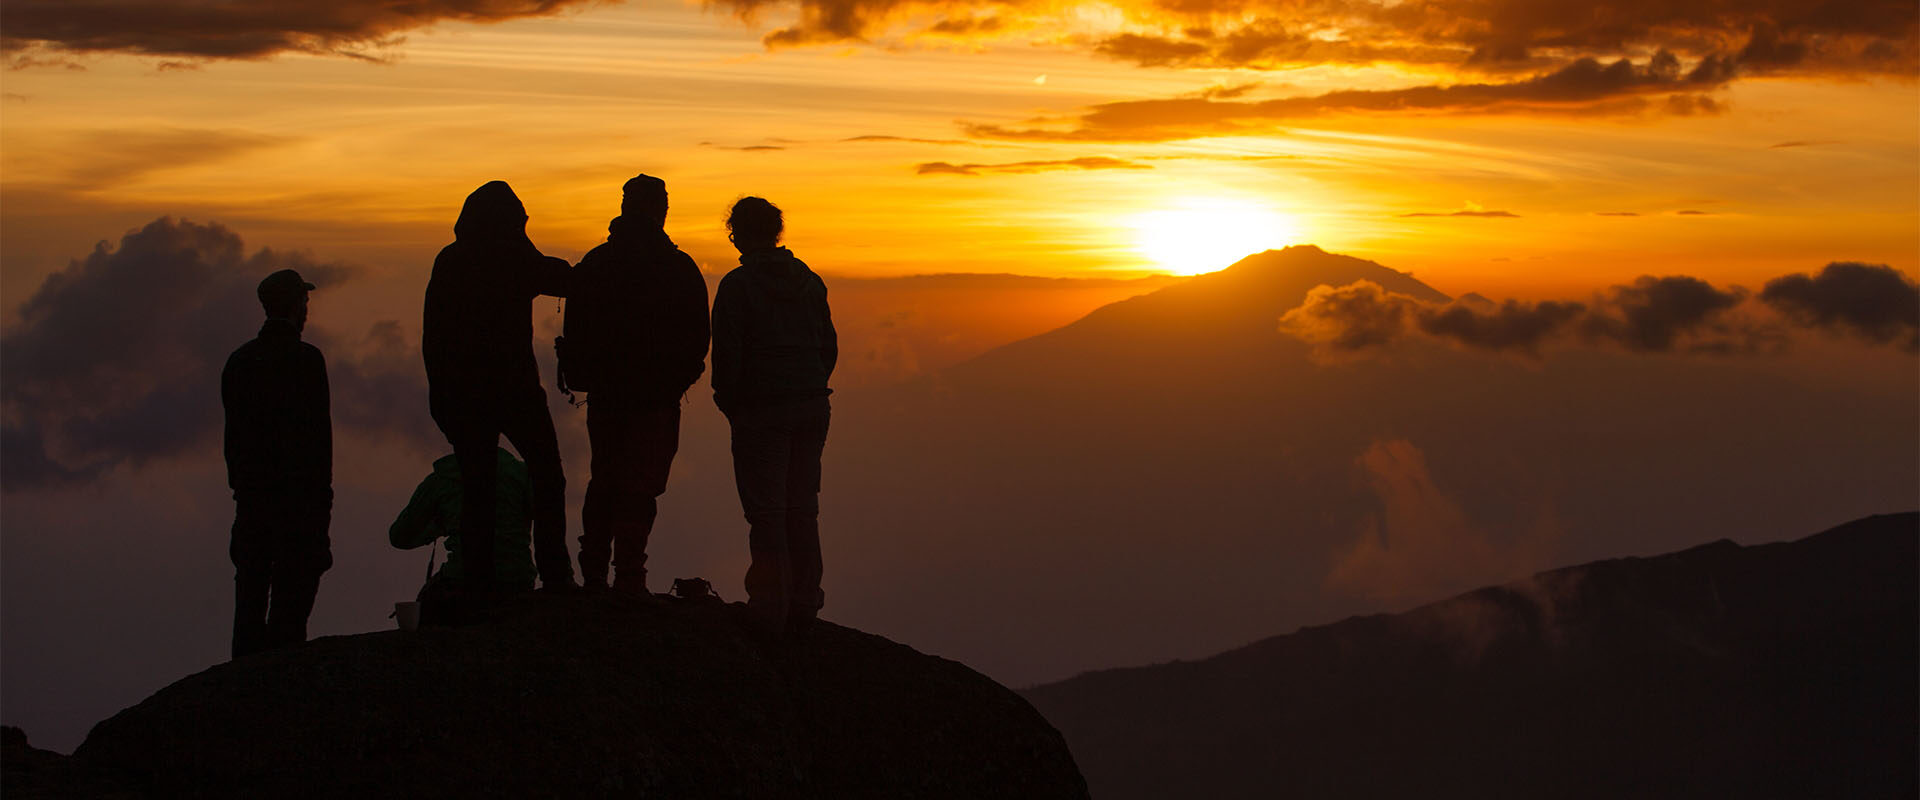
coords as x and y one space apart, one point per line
1198 235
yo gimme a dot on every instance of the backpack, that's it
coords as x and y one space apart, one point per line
578 348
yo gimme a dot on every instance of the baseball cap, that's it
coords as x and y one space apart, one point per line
285 284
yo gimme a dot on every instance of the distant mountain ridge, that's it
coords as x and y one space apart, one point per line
1777 670
1246 298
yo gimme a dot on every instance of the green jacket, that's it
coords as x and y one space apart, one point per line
434 512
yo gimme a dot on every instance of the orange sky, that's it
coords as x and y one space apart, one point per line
1004 162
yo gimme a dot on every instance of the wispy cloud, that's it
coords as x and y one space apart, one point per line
1084 163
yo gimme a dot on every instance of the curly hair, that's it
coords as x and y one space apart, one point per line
753 219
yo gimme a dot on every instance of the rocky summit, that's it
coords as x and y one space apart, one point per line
583 696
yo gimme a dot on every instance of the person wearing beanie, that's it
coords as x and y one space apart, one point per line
483 383
279 452
635 340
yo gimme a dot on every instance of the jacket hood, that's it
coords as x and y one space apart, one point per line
493 211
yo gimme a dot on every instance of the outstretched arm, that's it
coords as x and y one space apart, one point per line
550 275
421 521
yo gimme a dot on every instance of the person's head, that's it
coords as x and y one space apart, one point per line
754 224
644 199
493 211
283 295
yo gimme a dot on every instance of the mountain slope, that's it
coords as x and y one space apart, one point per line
1780 670
1091 496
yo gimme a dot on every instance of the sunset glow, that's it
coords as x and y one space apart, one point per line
1152 328
1203 235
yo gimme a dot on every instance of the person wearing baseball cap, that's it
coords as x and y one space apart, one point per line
279 451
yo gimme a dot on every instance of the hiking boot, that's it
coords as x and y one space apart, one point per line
635 588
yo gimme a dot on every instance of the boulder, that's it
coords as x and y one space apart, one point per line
589 695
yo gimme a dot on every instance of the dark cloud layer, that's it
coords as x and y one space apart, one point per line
1477 36
1083 163
117 358
222 29
1873 301
1667 314
1584 86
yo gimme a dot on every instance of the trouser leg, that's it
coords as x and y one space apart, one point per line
804 566
293 596
252 578
303 554
600 513
530 429
654 438
760 454
478 458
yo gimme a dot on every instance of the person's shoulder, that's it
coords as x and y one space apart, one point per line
453 251
242 355
310 352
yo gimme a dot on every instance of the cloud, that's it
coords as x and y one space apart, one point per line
1474 36
1421 544
1688 212
910 139
1873 301
1358 316
1802 143
218 29
1511 326
117 358
1471 212
114 157
1651 315
1083 163
1584 86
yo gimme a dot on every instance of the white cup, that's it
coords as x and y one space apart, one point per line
407 614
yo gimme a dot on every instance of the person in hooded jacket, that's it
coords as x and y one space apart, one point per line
482 381
637 334
774 348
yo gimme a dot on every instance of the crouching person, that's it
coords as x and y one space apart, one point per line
434 512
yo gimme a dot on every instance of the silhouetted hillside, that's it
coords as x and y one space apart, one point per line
588 697
1779 670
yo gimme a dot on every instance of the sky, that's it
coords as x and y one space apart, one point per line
1635 204
1501 147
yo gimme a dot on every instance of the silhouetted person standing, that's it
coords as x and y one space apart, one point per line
636 339
773 349
279 448
482 381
